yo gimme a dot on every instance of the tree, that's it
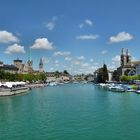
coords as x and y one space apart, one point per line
105 73
42 77
99 78
65 72
57 74
124 78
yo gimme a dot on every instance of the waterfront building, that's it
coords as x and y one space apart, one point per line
30 66
110 75
8 68
19 65
98 75
89 77
128 67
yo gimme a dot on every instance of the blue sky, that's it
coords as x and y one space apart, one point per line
77 35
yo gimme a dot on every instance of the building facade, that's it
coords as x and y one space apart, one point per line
8 68
41 66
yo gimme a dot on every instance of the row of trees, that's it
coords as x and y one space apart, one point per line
125 78
57 74
5 76
31 77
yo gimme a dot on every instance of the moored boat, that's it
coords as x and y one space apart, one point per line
12 88
138 91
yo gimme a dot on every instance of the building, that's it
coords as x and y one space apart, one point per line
8 68
98 75
41 66
128 67
30 66
19 65
138 69
89 77
110 75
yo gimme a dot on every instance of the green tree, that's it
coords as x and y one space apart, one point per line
65 72
57 74
42 77
124 78
105 73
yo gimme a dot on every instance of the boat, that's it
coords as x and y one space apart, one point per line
116 88
84 82
12 88
52 84
137 91
131 90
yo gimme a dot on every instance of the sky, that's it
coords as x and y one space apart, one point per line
77 35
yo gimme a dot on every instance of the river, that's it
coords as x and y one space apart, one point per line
70 112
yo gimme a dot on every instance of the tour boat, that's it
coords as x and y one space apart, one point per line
12 88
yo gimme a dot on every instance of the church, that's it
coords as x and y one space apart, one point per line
128 67
28 67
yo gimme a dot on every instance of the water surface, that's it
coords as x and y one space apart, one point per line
70 112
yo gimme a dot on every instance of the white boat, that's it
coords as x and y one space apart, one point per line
116 88
138 91
131 90
52 84
12 88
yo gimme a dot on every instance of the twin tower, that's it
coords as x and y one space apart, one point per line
125 57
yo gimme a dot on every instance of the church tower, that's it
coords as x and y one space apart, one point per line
128 57
125 57
41 66
30 62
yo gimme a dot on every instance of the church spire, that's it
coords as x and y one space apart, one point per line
41 65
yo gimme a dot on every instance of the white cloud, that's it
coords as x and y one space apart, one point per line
7 37
51 25
15 48
96 64
57 65
104 52
87 37
51 69
85 65
42 43
56 61
81 58
89 22
76 63
59 53
68 58
45 60
120 37
81 25
116 58
111 67
91 60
